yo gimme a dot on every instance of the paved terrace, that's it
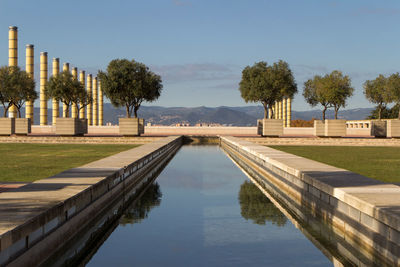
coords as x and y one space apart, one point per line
20 205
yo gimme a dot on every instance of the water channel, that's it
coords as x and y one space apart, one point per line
203 211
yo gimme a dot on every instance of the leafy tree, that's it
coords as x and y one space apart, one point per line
267 84
257 207
5 88
331 90
386 113
129 83
82 99
16 87
377 92
394 90
65 88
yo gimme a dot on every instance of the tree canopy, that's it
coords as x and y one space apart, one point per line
394 90
377 91
267 84
129 83
331 90
16 87
63 87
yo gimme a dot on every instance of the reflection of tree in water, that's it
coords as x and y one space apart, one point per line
141 208
257 207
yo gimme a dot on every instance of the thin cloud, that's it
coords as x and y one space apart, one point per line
196 72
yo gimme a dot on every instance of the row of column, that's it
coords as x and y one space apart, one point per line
282 110
94 111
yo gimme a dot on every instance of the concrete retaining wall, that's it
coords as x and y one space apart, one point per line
366 211
43 215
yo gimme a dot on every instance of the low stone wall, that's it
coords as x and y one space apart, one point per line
37 219
366 211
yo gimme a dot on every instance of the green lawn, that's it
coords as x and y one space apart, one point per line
29 162
381 163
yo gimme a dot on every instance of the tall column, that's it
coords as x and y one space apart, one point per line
82 80
289 113
43 82
279 110
74 108
89 91
269 113
273 112
284 111
55 103
276 110
95 103
100 105
65 68
30 70
12 59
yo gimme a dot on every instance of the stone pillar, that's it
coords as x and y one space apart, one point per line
284 111
82 80
12 59
269 113
55 103
89 107
100 105
279 109
30 70
276 110
95 103
43 82
74 107
64 112
289 112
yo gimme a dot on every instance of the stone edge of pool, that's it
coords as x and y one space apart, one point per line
43 214
348 201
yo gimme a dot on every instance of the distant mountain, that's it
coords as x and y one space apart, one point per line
235 116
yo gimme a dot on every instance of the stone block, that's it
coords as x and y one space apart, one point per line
378 128
22 126
71 126
335 128
131 126
7 126
271 127
319 128
393 128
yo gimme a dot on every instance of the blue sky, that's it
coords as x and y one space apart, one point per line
200 47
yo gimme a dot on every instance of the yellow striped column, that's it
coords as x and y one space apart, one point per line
279 115
56 104
95 103
43 82
82 80
100 105
269 113
74 108
30 70
289 113
65 68
89 91
284 112
276 110
12 59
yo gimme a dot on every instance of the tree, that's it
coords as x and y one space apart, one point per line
394 90
129 83
377 92
256 206
66 89
331 90
340 89
386 113
5 88
16 87
23 89
267 84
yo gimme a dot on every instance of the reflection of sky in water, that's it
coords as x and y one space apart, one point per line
199 223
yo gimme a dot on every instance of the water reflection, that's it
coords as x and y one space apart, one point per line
257 207
140 209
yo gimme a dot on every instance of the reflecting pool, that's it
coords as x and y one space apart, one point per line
203 211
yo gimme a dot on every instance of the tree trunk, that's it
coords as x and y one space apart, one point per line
399 111
379 112
323 113
265 110
135 109
128 114
19 113
336 112
67 111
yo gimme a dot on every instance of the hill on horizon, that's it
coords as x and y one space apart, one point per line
233 116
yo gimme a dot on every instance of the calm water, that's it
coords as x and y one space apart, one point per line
202 211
